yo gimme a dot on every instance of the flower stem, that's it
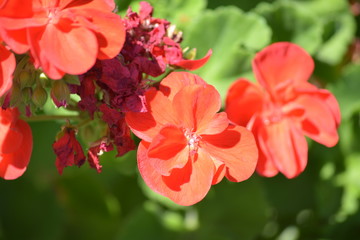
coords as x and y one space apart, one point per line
40 118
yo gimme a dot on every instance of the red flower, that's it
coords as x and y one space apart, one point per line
66 36
186 146
284 109
7 67
68 150
15 144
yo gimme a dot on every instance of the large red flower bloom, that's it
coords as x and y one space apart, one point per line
15 144
66 36
284 109
187 146
7 67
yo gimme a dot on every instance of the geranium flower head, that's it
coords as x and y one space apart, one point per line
187 146
66 36
15 144
283 109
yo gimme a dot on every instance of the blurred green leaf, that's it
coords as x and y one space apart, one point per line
350 180
291 21
233 211
28 211
346 91
244 5
143 224
178 12
234 37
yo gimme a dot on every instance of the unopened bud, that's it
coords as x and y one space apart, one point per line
60 90
39 96
26 94
190 55
26 79
71 79
15 96
45 80
89 133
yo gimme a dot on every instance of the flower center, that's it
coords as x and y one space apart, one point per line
192 141
272 114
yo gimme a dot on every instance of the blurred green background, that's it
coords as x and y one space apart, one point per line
322 203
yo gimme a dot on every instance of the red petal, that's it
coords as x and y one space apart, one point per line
7 67
168 150
196 106
244 99
281 64
160 113
327 97
285 146
319 123
192 65
175 81
185 186
72 50
101 5
236 148
110 32
10 8
216 125
13 165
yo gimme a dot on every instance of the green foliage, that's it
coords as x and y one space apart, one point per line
322 203
234 36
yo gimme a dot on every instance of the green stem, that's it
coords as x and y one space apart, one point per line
40 118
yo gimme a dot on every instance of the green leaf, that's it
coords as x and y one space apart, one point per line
350 180
291 21
346 91
334 49
234 36
233 211
178 12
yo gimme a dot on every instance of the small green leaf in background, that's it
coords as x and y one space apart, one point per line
291 21
178 12
234 36
346 91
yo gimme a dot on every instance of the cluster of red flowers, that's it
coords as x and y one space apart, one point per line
186 145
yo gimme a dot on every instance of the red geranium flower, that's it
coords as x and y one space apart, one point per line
15 144
7 67
66 36
187 146
284 109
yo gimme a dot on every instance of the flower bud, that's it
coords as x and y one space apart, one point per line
71 79
190 55
39 96
26 94
60 93
15 96
26 79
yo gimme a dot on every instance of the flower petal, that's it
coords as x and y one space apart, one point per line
175 81
185 186
192 65
318 123
13 165
196 106
160 113
216 125
110 31
244 99
236 148
7 67
168 150
281 64
72 50
285 146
